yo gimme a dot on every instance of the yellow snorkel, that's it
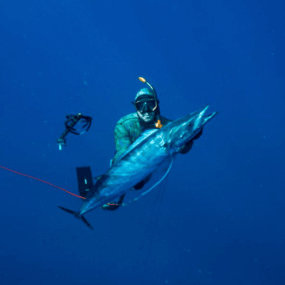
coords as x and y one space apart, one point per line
158 123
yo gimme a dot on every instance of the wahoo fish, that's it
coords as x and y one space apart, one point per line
151 150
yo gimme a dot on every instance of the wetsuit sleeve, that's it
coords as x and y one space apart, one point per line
122 140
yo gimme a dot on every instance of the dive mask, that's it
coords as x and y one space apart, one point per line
145 106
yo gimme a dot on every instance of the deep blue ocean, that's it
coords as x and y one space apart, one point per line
220 217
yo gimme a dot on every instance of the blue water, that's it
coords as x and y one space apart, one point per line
221 219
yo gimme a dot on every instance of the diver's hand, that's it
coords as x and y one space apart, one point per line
198 135
111 206
186 148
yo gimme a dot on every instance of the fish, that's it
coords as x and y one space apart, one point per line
152 149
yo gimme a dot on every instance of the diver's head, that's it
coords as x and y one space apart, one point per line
146 105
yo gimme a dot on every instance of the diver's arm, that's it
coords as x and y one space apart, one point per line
122 140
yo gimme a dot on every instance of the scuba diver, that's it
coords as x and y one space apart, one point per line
130 127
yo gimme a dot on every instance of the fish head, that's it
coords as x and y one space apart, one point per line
188 127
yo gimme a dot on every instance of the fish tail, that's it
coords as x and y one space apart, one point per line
78 216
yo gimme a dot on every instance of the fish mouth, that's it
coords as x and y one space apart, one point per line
200 119
196 118
202 113
196 122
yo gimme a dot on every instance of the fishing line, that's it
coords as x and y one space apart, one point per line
156 182
144 193
43 181
161 195
138 266
154 213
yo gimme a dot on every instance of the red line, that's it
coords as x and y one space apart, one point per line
35 178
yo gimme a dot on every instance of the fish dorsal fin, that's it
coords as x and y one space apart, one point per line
139 140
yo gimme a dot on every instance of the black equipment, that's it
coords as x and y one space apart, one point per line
85 180
70 123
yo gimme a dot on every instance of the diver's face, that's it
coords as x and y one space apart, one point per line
147 117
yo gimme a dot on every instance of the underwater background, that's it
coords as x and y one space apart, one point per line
221 217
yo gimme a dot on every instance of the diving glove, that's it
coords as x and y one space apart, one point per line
112 206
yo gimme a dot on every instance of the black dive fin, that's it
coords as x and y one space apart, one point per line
76 215
85 180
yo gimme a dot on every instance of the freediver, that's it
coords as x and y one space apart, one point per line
130 127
